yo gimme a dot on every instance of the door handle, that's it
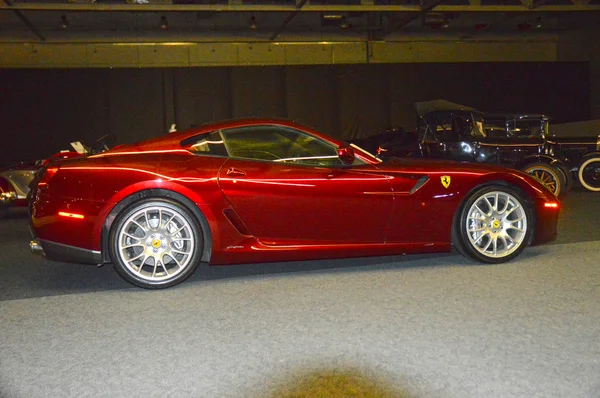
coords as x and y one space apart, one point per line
233 172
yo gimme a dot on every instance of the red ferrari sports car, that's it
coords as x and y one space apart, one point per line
260 190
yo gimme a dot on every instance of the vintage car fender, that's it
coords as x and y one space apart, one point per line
588 156
541 158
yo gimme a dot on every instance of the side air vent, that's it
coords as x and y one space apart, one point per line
419 184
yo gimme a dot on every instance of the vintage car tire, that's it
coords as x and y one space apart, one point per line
491 230
590 165
548 175
171 249
568 178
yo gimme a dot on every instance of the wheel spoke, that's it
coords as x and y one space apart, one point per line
488 244
139 225
511 210
133 245
481 211
489 204
132 236
155 266
142 264
480 236
179 230
136 257
505 205
147 220
168 222
477 229
178 251
476 218
503 241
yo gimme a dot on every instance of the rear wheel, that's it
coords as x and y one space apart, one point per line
494 225
548 175
589 174
156 243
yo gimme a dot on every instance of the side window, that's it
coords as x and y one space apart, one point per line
206 144
280 144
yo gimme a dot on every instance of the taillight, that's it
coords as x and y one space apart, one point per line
47 175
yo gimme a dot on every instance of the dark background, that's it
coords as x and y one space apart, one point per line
42 110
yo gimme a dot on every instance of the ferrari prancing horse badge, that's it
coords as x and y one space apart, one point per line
445 181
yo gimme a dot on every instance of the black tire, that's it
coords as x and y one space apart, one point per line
568 178
548 175
589 174
464 236
152 248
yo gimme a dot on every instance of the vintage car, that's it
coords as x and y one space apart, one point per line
260 190
579 144
456 132
14 185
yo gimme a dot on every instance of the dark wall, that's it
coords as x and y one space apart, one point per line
43 110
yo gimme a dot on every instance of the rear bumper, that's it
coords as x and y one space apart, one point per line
65 253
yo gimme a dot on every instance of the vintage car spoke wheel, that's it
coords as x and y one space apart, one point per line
547 175
589 174
155 244
494 225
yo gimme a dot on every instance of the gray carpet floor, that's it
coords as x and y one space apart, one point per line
422 326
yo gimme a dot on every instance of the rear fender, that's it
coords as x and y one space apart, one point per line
131 198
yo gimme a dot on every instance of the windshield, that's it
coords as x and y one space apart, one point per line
448 126
363 153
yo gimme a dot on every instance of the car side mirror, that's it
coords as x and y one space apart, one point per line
346 154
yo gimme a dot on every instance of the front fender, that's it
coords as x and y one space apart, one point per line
541 158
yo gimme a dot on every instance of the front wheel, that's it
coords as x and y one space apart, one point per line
589 174
494 225
547 175
156 243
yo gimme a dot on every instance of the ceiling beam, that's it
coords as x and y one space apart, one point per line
499 22
10 6
161 7
405 19
288 19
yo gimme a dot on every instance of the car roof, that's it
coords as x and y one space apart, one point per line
172 141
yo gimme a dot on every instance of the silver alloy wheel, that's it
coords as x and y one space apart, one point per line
156 243
496 224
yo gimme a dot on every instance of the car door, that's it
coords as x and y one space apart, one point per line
290 187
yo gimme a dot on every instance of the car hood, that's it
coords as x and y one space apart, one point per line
441 166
